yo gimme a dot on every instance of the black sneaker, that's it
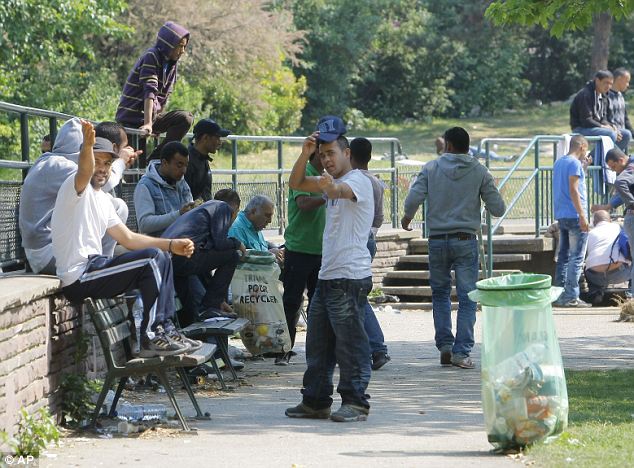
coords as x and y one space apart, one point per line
160 345
379 360
306 412
283 359
349 413
445 357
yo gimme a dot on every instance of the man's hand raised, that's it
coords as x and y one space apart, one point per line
88 132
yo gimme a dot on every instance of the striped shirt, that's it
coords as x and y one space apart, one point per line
617 113
153 76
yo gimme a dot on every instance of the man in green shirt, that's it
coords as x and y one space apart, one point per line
302 258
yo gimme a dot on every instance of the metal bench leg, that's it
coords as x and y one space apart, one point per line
224 352
170 393
102 397
221 379
190 392
117 395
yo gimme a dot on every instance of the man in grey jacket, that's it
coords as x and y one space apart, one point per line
162 194
453 185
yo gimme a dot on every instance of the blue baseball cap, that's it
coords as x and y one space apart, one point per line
330 127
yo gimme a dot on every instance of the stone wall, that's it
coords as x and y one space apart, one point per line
39 332
390 245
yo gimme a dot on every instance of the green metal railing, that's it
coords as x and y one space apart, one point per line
539 178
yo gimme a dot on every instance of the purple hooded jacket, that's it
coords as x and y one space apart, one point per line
153 76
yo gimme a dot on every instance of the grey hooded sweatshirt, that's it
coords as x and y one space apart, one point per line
453 186
158 203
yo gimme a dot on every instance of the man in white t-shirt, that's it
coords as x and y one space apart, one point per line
336 333
82 215
605 264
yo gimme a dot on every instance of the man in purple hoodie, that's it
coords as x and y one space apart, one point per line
149 84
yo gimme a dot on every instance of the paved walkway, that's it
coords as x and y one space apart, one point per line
422 414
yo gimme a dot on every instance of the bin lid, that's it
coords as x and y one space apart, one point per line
514 282
522 289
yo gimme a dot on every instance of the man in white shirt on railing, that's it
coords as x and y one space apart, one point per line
605 264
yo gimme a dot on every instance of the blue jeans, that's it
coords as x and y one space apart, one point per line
372 325
572 250
600 131
462 257
628 227
599 281
336 335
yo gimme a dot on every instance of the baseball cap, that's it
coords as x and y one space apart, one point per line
103 145
330 127
211 127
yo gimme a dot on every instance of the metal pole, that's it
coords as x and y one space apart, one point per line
394 186
234 163
280 185
537 194
489 252
24 140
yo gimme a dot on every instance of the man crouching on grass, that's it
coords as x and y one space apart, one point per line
336 333
81 217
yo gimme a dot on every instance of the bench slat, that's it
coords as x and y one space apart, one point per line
116 334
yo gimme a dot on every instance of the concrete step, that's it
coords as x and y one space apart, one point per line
508 243
397 306
412 291
497 258
424 274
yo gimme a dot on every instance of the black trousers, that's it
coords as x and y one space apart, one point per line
300 273
149 270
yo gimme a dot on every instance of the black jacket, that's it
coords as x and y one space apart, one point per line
583 109
198 176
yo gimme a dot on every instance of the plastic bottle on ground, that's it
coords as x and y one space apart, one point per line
137 313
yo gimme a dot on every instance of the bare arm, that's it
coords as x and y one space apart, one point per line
133 241
298 179
86 163
148 109
334 190
307 203
573 184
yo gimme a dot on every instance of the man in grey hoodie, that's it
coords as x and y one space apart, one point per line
39 192
453 185
162 194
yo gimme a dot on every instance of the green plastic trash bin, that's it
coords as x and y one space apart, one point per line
524 396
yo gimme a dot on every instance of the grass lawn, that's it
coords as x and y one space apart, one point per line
601 423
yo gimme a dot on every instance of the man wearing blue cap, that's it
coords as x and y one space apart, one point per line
207 140
336 333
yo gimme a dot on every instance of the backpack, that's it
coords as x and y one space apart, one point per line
623 244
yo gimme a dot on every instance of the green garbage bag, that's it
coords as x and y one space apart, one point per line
524 396
257 296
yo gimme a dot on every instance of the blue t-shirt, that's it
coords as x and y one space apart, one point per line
563 169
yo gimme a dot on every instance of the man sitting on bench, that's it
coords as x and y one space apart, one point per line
208 227
81 217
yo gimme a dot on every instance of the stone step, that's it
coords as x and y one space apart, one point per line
397 306
497 258
424 274
412 291
508 243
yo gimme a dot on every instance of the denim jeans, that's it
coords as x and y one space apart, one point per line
628 227
572 250
598 282
372 325
336 335
462 257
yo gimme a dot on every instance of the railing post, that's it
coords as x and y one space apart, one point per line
489 263
394 186
24 140
537 192
280 185
234 164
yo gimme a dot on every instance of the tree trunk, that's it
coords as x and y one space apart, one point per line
602 24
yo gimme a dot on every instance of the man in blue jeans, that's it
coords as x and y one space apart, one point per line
569 199
453 186
336 334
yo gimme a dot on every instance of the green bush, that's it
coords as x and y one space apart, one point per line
34 433
77 393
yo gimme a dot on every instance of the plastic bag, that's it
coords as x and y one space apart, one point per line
524 396
257 296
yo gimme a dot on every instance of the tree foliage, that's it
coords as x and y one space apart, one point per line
557 16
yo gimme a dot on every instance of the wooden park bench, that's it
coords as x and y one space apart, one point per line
110 318
221 330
